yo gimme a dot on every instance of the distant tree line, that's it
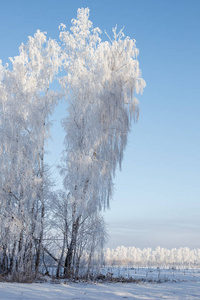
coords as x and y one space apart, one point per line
159 257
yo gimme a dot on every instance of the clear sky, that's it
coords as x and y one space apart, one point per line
157 194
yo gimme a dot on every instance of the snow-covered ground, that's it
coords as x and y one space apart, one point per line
167 290
184 284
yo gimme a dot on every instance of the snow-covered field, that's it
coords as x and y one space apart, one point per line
153 274
183 284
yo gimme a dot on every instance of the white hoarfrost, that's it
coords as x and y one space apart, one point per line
100 85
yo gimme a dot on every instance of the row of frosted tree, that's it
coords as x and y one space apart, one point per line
159 257
98 80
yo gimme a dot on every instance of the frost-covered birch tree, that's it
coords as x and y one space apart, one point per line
100 85
26 104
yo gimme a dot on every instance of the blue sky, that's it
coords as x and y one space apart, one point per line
157 194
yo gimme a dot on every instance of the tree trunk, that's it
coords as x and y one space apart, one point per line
12 259
60 260
41 199
69 257
38 253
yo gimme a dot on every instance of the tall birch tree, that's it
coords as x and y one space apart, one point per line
100 85
26 106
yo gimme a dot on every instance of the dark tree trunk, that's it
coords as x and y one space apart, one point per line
60 260
39 248
68 261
